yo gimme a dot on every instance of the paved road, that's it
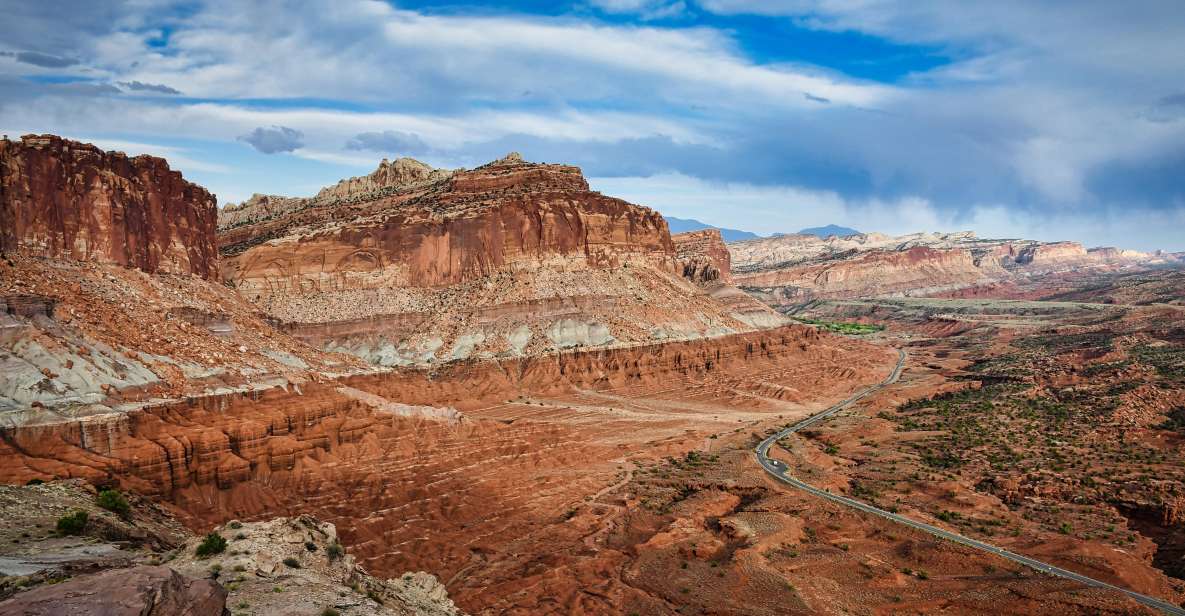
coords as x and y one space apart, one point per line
778 470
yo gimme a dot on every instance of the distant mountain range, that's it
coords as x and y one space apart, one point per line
683 225
829 230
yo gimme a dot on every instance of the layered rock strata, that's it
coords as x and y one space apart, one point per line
791 269
411 265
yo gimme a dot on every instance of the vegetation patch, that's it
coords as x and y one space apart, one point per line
73 523
842 327
211 545
113 501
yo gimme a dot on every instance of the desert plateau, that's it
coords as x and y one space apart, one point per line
372 308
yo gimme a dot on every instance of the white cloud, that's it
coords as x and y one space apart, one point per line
646 9
785 209
1040 102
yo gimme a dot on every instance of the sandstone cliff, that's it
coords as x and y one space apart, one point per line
64 199
410 265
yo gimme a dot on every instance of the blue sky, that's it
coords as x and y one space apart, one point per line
1047 120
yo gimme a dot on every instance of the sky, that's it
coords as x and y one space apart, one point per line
1013 118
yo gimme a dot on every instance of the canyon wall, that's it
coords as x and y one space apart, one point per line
228 438
70 200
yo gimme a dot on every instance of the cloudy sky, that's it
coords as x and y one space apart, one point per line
1050 120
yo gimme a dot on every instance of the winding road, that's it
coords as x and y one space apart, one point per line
779 471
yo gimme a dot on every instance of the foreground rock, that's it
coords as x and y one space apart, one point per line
139 591
411 265
298 566
142 561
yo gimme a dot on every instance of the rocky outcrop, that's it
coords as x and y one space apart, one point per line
139 591
422 490
304 558
42 571
259 208
401 173
70 200
703 255
410 265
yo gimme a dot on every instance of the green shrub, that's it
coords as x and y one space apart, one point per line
335 551
112 500
330 612
292 563
211 545
73 523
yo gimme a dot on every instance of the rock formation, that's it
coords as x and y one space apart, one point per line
410 265
303 557
389 176
109 290
64 199
705 260
703 255
233 437
792 269
916 270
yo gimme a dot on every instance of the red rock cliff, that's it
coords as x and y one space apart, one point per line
70 200
463 226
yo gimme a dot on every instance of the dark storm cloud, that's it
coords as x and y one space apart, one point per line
139 86
1156 182
43 59
391 141
274 139
1167 109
